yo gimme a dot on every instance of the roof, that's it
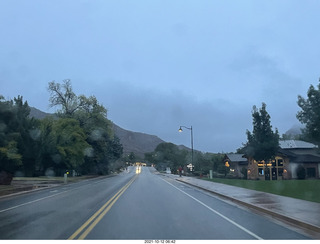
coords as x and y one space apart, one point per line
235 157
287 144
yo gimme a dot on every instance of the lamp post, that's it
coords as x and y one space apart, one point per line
180 130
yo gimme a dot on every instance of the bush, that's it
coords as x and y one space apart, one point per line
301 172
244 171
197 173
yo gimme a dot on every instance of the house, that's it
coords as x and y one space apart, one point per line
235 162
301 153
291 154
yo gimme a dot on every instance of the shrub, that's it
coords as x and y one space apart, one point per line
244 171
301 172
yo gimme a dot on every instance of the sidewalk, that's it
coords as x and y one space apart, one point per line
298 212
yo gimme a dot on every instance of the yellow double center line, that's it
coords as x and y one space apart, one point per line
87 227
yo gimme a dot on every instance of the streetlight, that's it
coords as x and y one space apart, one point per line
180 130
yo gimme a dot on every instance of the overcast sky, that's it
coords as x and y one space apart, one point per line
156 65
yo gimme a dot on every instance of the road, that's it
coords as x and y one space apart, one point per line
136 204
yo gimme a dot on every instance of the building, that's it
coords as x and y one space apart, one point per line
235 162
301 153
291 154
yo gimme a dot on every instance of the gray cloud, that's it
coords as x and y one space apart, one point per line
157 65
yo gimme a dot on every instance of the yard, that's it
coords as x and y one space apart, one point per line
302 189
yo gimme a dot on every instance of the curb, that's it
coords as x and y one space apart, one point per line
264 210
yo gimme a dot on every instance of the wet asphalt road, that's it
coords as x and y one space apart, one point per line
136 204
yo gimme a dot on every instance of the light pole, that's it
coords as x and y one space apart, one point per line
180 130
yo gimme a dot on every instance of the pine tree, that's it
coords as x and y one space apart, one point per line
262 143
310 114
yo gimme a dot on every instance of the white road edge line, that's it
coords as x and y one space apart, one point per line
37 200
216 212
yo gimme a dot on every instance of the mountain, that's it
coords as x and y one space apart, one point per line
38 114
136 142
294 131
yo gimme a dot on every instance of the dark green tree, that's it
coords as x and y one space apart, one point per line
92 116
310 114
93 119
115 148
27 141
132 157
71 145
262 143
47 151
170 154
17 138
210 161
10 158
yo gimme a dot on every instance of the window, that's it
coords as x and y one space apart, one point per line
311 172
261 172
280 171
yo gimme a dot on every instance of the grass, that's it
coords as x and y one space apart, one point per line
302 189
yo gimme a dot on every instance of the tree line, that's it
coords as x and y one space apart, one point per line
79 137
262 143
169 155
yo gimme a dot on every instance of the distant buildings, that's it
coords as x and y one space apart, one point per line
293 155
236 163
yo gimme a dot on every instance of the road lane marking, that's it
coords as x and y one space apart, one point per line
218 213
37 200
88 226
66 189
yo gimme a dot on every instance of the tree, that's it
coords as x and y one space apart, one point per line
262 143
10 158
310 114
132 157
47 151
63 95
17 140
115 148
105 148
71 144
169 153
27 139
92 118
